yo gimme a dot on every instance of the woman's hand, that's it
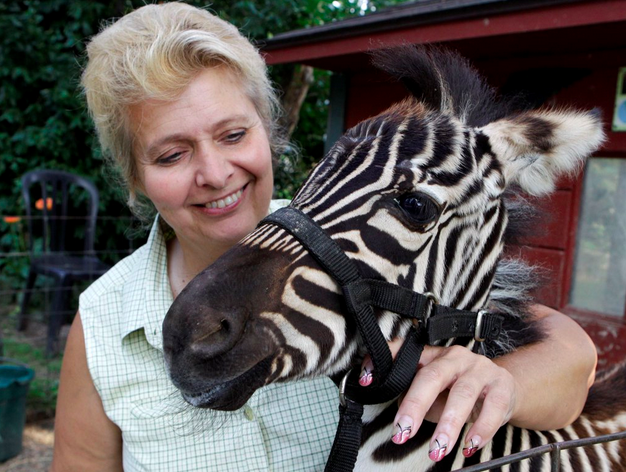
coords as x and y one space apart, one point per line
453 386
541 386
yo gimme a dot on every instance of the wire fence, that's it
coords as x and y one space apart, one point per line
26 332
116 237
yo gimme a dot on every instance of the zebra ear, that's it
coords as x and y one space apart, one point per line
536 148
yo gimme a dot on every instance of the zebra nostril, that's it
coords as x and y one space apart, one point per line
207 333
214 336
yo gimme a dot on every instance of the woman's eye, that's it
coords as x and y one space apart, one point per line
169 158
420 207
235 137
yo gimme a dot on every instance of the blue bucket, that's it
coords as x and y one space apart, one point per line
14 383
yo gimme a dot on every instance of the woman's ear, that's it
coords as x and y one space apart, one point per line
536 148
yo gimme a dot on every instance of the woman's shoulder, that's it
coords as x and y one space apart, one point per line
116 277
278 203
129 270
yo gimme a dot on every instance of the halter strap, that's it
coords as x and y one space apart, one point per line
334 261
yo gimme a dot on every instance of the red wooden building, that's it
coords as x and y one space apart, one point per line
559 52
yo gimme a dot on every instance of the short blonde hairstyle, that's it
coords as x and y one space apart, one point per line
154 52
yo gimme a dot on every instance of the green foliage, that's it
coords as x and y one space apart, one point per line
42 393
13 263
308 138
44 124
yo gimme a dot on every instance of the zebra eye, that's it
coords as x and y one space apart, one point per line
421 208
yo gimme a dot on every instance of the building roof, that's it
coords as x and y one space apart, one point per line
339 44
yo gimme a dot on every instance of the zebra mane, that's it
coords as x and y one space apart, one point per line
444 81
515 279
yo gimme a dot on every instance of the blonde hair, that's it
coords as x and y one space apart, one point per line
154 52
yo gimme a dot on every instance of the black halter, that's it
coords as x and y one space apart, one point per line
431 322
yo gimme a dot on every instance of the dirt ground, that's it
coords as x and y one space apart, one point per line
36 455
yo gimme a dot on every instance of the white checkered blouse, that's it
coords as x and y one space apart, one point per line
283 427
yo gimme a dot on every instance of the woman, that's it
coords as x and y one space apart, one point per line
182 104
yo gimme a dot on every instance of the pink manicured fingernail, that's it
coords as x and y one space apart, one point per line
438 448
366 378
402 430
471 446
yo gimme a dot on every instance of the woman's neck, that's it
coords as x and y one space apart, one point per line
185 261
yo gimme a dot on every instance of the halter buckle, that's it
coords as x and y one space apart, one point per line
479 325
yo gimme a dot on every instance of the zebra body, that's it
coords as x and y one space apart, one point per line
416 197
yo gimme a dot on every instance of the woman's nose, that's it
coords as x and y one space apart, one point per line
213 169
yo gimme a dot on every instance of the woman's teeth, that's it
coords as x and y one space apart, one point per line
226 201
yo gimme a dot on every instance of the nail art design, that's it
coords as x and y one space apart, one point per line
471 446
366 377
402 434
438 449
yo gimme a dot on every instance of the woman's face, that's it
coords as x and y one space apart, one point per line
204 160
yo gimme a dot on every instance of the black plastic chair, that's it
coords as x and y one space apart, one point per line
68 204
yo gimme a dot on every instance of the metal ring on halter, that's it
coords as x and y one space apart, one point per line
479 325
342 388
433 298
433 301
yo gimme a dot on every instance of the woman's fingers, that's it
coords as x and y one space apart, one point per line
367 368
440 368
367 374
461 400
451 386
495 410
485 394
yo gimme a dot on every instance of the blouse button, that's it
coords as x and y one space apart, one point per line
248 413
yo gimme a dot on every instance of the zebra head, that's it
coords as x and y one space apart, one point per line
414 196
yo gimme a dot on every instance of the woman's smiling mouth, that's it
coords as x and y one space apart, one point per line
226 201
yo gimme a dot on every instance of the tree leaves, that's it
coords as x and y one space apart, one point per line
43 121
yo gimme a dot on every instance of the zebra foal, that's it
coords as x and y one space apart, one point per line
418 197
